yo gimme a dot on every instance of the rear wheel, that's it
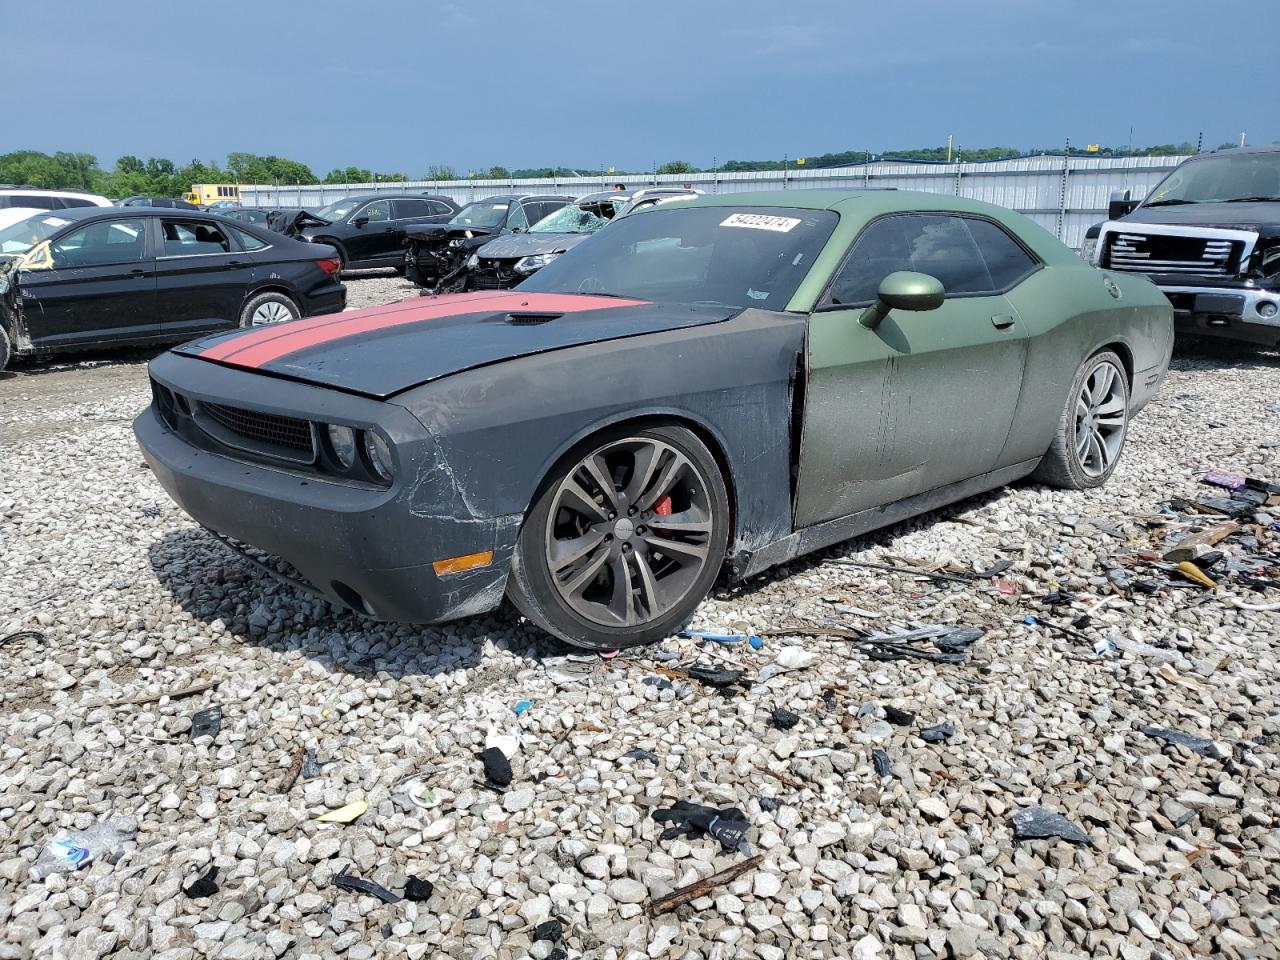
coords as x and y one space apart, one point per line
624 541
1091 431
269 307
6 351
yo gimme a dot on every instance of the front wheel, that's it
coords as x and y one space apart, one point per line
624 540
269 307
5 350
1091 431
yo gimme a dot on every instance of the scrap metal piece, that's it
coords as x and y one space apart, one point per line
348 882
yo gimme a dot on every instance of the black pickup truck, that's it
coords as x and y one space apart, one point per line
1209 237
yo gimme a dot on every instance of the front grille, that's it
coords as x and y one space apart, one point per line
1163 254
487 281
269 434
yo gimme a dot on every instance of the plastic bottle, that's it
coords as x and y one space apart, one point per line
70 850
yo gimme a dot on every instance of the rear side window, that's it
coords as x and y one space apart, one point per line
441 209
104 242
247 240
33 200
405 208
377 211
1007 261
186 238
70 202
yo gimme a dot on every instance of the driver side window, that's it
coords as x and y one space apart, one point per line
376 211
109 241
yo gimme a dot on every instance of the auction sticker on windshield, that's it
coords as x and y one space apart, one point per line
761 221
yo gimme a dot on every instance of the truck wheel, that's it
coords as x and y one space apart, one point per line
269 307
1091 430
624 541
6 351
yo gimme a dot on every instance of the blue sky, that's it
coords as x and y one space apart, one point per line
586 83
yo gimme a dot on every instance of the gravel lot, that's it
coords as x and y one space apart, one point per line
129 600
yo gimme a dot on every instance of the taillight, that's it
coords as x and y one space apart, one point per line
330 266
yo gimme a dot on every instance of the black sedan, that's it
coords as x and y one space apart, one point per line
99 276
370 231
436 256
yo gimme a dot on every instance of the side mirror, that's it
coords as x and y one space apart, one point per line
359 221
903 290
1120 205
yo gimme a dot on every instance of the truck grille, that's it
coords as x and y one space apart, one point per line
264 433
1163 254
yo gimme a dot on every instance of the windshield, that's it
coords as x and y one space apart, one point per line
576 219
338 210
743 256
484 213
1223 178
25 234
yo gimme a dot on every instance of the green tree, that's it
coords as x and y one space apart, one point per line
677 166
498 173
349 175
440 171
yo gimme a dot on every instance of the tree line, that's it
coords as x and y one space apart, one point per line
157 176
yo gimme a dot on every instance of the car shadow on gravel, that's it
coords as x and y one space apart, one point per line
213 584
81 360
1206 353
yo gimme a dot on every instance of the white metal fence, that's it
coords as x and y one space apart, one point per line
1063 194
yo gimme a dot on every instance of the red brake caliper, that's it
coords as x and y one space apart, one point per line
663 509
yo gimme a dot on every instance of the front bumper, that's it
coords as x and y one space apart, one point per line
1231 309
366 549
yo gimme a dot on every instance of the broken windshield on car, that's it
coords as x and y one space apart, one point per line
747 257
1221 179
485 213
25 234
575 219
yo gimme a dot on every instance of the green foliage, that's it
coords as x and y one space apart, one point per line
498 173
349 175
439 171
677 166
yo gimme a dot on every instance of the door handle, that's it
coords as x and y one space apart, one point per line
137 272
1002 321
234 264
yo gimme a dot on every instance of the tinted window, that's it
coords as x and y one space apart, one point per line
516 217
742 256
412 208
33 200
377 210
438 208
108 241
1006 261
70 202
185 238
247 240
938 245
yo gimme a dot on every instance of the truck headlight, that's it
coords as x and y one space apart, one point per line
343 441
379 455
473 261
533 263
1089 250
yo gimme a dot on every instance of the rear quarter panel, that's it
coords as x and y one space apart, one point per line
1069 315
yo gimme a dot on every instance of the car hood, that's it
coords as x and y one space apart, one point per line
516 245
439 231
384 350
1230 216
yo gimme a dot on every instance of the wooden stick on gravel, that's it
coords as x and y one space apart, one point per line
171 694
295 769
695 890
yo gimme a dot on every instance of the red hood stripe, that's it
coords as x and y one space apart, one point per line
271 343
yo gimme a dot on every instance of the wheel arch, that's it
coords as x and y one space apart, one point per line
1124 352
701 429
272 286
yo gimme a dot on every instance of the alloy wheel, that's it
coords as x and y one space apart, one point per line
273 311
629 532
1101 417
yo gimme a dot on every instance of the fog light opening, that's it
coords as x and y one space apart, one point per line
1267 310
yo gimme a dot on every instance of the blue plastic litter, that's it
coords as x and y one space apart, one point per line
1031 621
723 638
523 705
756 643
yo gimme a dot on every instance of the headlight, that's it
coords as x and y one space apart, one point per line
533 263
1089 249
343 441
473 261
379 454
455 242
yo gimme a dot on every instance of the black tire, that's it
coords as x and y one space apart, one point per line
6 351
265 302
669 590
1064 465
400 270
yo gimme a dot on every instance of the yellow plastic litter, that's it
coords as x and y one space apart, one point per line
344 814
1196 575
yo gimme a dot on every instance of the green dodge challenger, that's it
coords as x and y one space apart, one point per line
697 391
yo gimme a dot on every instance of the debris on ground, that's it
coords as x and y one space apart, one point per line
205 886
938 732
295 770
345 814
638 754
729 825
788 659
69 850
880 759
1037 823
783 719
701 888
572 668
551 930
347 882
725 639
1195 744
311 766
415 888
206 723
497 768
898 717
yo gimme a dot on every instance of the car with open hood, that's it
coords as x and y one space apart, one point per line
436 256
510 259
704 390
1208 235
95 277
369 231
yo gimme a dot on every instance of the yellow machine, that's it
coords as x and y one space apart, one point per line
204 194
